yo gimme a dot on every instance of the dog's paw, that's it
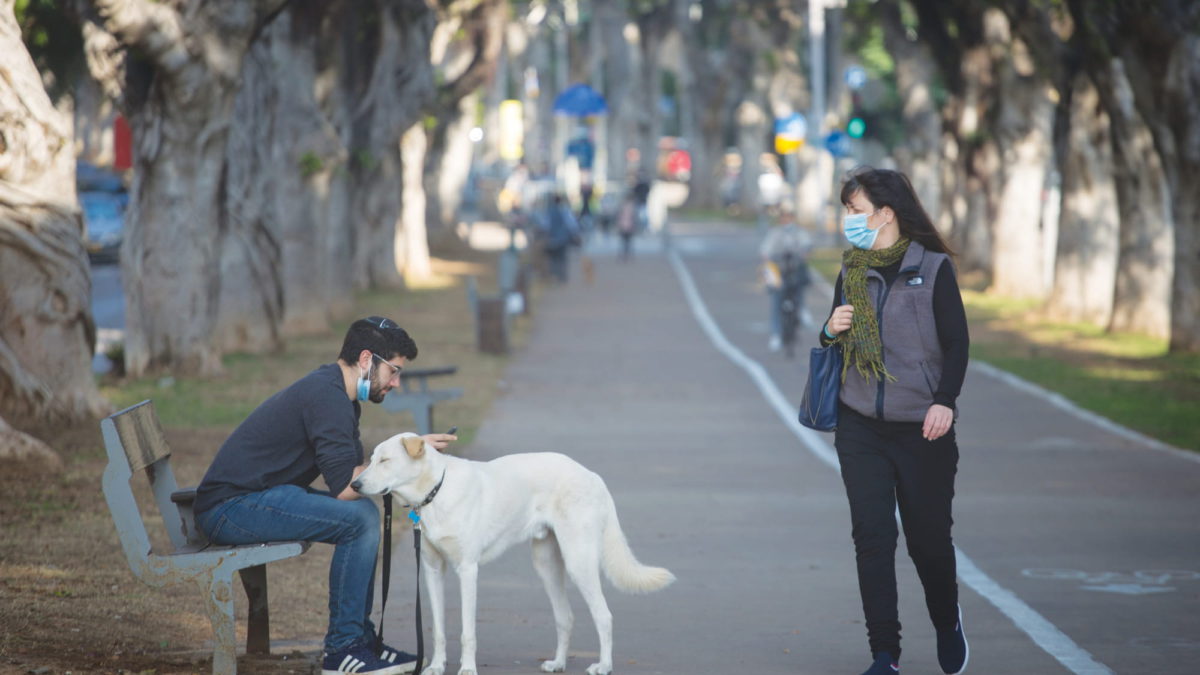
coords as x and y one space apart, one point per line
599 669
433 670
553 666
466 671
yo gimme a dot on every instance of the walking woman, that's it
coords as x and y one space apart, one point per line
899 318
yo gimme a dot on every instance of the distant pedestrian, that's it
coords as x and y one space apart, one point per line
784 252
586 218
560 232
627 225
641 198
903 333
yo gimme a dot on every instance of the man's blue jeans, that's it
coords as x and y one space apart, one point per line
293 513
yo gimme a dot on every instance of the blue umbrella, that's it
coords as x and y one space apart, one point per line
580 100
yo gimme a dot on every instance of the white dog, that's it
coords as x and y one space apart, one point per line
472 512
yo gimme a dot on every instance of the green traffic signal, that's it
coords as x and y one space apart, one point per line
856 127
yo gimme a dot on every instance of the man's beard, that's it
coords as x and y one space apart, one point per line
376 394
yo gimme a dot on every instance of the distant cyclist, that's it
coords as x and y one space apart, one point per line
784 254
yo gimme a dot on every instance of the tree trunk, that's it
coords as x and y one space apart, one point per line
1181 113
46 330
751 115
1149 62
968 209
709 94
277 277
411 243
970 156
920 158
401 84
617 87
1086 260
1145 264
465 66
180 94
653 28
1023 126
448 165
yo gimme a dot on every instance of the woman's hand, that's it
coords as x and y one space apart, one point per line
937 422
839 321
439 441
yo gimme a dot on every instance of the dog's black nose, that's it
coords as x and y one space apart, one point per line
357 485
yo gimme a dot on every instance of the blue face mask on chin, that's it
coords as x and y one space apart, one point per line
854 226
364 385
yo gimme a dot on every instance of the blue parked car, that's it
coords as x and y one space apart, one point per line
103 199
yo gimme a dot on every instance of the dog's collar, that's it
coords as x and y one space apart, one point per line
429 497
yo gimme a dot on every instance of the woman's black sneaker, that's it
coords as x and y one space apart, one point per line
952 648
884 665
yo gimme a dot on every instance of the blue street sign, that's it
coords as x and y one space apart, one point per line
838 144
793 127
855 76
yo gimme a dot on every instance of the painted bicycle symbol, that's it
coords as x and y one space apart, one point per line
1138 582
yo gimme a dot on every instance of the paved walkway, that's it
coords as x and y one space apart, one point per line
712 481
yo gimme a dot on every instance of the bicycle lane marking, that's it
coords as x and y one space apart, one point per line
1045 634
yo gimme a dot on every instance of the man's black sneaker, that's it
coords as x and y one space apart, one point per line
397 657
361 659
884 665
952 648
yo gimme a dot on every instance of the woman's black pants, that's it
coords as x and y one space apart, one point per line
885 464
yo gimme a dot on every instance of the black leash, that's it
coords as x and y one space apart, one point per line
387 574
415 516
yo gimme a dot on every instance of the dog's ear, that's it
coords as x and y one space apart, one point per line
414 445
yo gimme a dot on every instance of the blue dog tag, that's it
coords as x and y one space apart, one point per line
915 281
414 516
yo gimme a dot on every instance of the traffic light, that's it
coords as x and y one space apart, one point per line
856 127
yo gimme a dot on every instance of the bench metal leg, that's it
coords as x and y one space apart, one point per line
258 624
423 417
219 602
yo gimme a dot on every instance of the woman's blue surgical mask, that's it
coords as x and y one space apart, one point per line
854 226
364 383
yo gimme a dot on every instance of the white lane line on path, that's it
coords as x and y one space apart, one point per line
1045 634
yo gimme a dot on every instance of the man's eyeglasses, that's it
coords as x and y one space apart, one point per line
395 369
382 323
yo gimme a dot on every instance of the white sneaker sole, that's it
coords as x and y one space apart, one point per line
400 669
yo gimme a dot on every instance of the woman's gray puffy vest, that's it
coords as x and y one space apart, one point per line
911 351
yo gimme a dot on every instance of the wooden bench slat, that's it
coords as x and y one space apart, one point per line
141 436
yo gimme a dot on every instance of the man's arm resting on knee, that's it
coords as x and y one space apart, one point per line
350 493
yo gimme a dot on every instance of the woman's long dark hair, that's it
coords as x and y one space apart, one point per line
884 187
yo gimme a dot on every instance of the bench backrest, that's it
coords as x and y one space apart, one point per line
135 443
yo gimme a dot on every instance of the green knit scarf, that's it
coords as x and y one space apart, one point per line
861 343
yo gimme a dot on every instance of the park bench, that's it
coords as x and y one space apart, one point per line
135 443
416 397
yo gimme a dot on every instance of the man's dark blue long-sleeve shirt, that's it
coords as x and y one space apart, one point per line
309 429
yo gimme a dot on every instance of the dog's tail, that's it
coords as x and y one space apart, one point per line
620 565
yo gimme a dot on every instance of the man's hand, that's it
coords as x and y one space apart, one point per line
937 422
439 441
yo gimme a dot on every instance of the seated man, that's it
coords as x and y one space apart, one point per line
257 489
